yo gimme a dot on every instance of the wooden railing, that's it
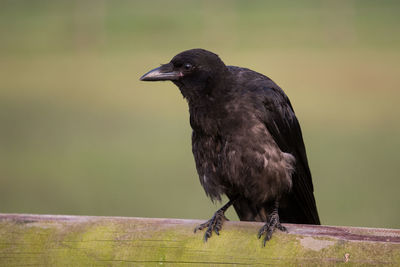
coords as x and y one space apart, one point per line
56 240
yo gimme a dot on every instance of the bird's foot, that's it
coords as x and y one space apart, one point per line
214 224
270 226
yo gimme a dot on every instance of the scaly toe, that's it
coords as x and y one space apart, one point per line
262 230
281 227
268 235
212 225
201 226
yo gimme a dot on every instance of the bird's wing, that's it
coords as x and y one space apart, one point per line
277 114
283 125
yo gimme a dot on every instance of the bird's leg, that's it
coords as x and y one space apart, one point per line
272 223
215 223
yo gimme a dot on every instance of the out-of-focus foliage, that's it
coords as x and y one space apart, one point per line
81 135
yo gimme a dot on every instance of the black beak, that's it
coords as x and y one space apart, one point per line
163 73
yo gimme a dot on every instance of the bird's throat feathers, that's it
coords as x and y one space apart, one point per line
206 102
204 88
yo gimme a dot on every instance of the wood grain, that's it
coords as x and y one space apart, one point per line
58 240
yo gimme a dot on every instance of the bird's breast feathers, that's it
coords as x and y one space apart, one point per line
247 159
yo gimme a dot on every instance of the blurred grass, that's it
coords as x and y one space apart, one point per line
81 135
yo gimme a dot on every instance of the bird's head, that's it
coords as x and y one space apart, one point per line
193 71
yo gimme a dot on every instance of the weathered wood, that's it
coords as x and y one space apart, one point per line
47 240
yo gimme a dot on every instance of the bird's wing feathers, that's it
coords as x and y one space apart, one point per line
283 125
280 120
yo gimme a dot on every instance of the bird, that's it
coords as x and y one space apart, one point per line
246 141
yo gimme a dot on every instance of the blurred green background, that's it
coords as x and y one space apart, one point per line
81 135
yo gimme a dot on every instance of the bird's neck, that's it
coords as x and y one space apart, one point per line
207 112
207 92
205 120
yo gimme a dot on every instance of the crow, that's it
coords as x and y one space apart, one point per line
246 141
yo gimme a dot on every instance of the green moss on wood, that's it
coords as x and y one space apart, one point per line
101 241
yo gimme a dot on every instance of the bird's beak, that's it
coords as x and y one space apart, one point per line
163 73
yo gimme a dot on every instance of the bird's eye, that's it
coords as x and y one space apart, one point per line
188 66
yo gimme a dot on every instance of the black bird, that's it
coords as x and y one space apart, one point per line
246 142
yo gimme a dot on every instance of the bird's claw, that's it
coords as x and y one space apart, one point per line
214 224
269 227
281 227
